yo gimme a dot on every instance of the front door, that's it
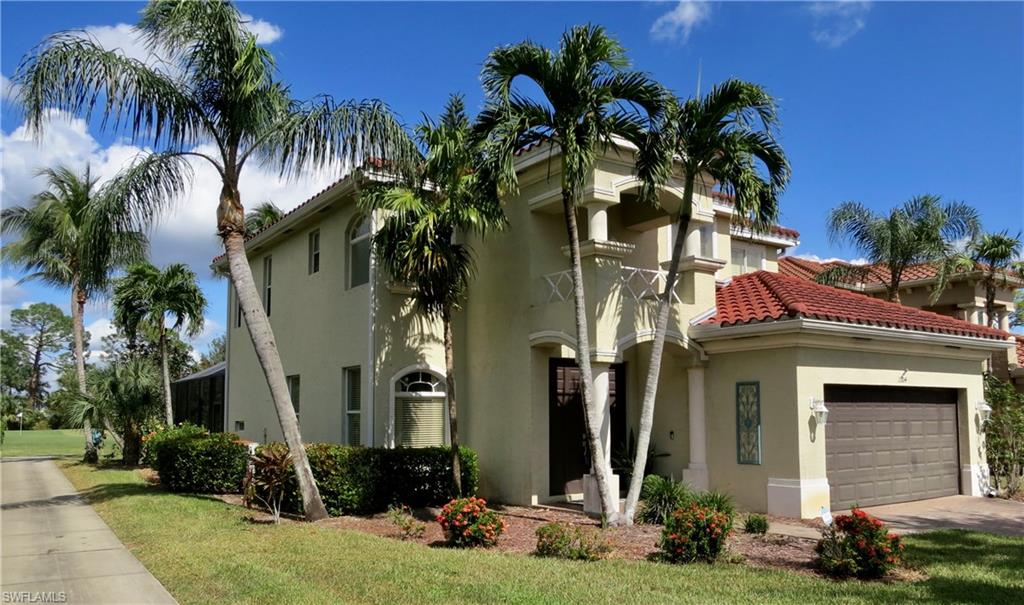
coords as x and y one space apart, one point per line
569 452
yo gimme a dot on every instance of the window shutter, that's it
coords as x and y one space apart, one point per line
419 422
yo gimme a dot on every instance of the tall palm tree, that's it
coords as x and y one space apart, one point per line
218 102
922 230
419 242
262 216
727 136
147 295
68 235
998 257
587 97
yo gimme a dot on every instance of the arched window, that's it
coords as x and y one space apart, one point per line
359 252
420 410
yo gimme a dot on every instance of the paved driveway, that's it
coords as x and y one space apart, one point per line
992 515
55 548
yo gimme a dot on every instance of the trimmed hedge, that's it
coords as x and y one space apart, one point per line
363 480
151 443
205 464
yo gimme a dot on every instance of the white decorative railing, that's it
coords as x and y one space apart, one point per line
638 284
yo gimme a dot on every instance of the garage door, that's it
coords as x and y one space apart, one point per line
886 445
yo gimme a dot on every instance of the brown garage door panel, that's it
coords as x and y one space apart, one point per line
879 452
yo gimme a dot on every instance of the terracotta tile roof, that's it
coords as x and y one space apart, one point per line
765 296
728 200
877 274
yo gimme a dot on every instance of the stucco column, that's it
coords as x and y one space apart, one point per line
1004 320
696 473
691 245
597 221
602 402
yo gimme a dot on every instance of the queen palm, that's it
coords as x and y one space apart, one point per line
587 97
149 297
214 97
68 235
420 242
262 216
998 257
922 230
726 137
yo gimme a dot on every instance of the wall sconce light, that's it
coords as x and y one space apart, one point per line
820 411
984 411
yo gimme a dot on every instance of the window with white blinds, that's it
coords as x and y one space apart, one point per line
353 405
746 258
420 410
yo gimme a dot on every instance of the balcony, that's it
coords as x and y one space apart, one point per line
636 284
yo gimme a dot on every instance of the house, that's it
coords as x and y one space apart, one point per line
199 397
963 298
753 359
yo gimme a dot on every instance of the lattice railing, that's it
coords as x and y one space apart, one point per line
637 284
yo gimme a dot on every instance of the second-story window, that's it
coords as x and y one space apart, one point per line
294 392
268 263
314 252
359 253
746 258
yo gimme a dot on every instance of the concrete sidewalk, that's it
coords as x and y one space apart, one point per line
55 548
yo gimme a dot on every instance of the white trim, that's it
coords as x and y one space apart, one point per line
736 231
786 497
416 367
647 335
974 480
718 332
554 337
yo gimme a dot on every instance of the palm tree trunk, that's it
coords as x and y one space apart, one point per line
591 416
990 302
453 431
77 310
168 409
643 440
262 336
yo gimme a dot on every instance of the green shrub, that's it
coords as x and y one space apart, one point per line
210 464
1004 436
152 441
660 497
362 480
570 541
266 479
41 425
718 501
695 533
401 517
756 524
467 522
858 544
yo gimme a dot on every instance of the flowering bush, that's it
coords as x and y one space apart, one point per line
695 533
858 544
468 522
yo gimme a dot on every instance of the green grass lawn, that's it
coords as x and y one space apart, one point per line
63 442
204 551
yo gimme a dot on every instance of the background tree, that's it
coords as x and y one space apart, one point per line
222 93
15 363
262 216
726 137
420 241
47 336
922 230
1017 318
997 256
125 395
117 349
215 353
77 231
587 97
147 296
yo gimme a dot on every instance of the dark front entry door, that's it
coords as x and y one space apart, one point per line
569 453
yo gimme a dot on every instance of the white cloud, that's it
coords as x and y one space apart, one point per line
831 259
265 31
8 89
185 234
837 22
12 296
677 24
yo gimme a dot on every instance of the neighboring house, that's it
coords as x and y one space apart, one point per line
752 359
964 299
199 398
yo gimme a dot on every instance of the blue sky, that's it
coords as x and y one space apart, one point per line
880 101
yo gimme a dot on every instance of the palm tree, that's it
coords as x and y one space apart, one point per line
147 295
417 242
68 236
726 136
998 257
125 395
922 230
262 216
587 98
219 93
